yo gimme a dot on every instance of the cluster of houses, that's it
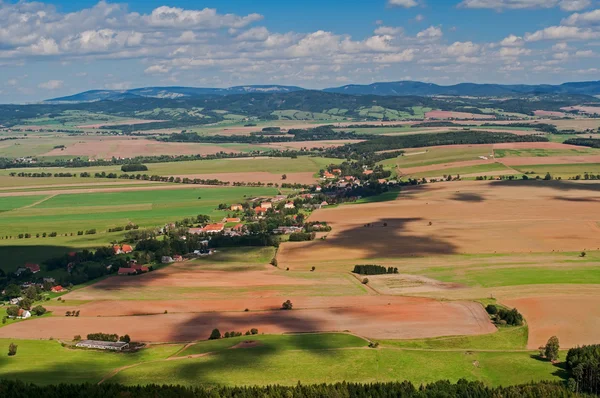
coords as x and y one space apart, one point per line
34 268
133 268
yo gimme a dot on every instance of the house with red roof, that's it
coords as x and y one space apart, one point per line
266 205
126 249
58 289
196 231
126 271
260 211
23 314
234 219
34 268
213 228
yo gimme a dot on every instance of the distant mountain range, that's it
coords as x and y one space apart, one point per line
401 88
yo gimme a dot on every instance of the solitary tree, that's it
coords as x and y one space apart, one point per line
284 176
552 347
215 335
12 349
287 305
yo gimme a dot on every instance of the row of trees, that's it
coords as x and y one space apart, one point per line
109 337
372 269
216 334
505 316
463 388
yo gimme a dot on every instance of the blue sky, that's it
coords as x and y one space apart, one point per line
54 48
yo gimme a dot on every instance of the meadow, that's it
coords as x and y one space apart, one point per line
268 359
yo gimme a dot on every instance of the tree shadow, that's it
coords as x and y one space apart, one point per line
577 200
468 197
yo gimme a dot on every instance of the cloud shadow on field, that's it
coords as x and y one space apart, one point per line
560 185
468 197
383 238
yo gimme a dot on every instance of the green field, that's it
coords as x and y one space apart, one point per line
511 153
286 359
431 156
561 170
236 165
484 168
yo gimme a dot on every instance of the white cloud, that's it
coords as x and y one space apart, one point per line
458 49
562 33
510 52
404 56
499 5
585 53
560 46
512 41
254 34
432 32
208 18
51 84
389 30
419 17
403 3
157 69
586 18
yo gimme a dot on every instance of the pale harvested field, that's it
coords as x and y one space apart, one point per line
150 187
309 144
576 124
107 148
442 166
534 145
525 161
456 115
90 184
584 109
257 176
543 113
466 217
119 123
574 319
399 317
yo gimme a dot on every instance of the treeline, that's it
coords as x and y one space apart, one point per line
583 365
544 127
589 142
9 163
314 134
463 388
372 269
387 143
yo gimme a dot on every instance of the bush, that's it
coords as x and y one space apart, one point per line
127 168
491 309
77 337
91 231
254 331
372 269
365 281
38 310
125 339
287 305
551 349
215 335
12 349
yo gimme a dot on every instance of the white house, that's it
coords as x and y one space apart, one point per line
289 205
23 314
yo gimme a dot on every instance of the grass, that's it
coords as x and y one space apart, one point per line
47 362
309 342
484 168
561 170
265 365
431 156
506 338
506 153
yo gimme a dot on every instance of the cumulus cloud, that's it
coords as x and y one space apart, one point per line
432 32
462 49
389 30
562 33
512 41
157 69
566 5
51 85
403 3
586 18
510 52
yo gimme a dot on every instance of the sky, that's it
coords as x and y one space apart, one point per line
61 47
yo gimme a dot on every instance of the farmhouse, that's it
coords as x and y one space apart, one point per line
166 260
260 211
368 172
117 249
103 345
328 175
58 289
213 228
236 207
16 300
336 171
126 271
228 220
289 205
23 314
196 231
34 268
266 205
286 230
126 249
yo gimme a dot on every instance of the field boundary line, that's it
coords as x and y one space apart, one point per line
37 203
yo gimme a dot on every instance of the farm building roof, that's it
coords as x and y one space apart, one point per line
33 267
97 343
